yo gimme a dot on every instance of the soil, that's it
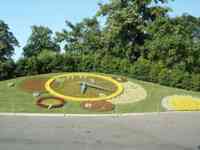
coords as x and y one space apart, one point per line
99 106
34 85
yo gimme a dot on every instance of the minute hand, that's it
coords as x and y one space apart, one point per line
98 87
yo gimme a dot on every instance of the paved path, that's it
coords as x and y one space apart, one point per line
150 132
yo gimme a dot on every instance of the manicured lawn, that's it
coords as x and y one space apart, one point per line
14 99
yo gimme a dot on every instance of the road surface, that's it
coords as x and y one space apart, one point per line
149 132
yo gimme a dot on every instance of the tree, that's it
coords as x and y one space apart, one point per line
174 42
124 31
7 42
39 40
81 37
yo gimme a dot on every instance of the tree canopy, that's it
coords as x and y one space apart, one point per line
125 29
138 39
82 37
7 42
39 40
174 42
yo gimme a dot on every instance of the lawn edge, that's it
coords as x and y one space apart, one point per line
95 115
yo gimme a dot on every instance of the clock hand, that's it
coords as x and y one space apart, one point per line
83 87
98 87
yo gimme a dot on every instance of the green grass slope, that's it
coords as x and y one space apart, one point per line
13 99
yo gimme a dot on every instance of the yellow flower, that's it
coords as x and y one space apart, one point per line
181 103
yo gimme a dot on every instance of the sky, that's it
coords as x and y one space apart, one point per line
20 15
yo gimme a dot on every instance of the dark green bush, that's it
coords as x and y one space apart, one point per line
142 69
6 69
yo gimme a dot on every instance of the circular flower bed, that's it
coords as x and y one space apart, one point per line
181 103
32 85
50 102
120 79
70 89
99 106
132 93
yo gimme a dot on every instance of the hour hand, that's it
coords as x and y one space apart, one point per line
98 87
83 87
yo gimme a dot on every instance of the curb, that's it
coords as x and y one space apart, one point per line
95 115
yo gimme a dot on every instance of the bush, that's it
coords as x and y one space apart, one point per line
195 82
177 77
27 66
187 82
140 70
155 69
6 69
164 77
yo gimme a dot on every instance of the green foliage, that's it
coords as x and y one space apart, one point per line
7 42
6 69
31 66
40 39
141 69
174 42
125 32
81 37
138 39
155 71
195 82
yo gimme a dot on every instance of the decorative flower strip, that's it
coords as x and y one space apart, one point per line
132 93
181 103
99 106
41 102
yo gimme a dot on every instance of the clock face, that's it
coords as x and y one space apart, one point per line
84 87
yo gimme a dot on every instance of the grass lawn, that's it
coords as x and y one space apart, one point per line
14 99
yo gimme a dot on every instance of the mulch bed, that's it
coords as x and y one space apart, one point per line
99 106
33 85
41 102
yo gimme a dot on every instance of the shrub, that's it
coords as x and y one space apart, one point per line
141 69
195 82
6 69
164 77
